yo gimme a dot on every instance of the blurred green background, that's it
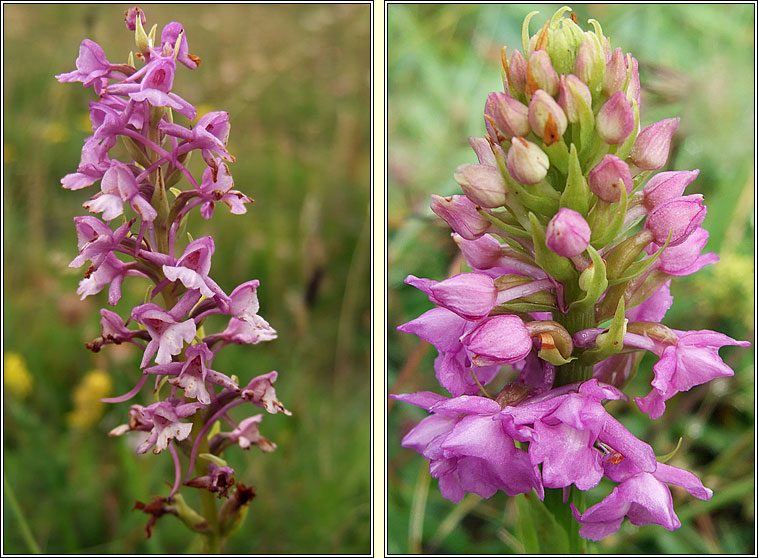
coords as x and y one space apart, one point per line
296 82
697 62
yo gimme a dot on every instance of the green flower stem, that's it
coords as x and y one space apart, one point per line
212 541
23 526
565 518
574 321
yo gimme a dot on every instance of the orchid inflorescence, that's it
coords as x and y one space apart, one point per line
572 247
136 104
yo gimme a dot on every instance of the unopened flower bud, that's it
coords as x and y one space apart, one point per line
633 89
526 162
482 184
483 151
608 177
483 253
615 120
461 214
615 73
651 148
572 92
233 511
665 186
563 39
517 73
590 62
470 295
567 234
680 216
130 17
498 340
509 116
546 117
540 74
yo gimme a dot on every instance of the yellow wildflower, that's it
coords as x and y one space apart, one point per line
16 376
88 408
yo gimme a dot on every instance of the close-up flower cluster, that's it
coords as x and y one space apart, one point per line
136 106
572 241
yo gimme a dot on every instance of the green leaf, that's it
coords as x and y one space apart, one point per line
537 202
541 533
559 155
586 118
612 341
526 524
554 357
638 268
510 229
672 453
576 194
593 281
214 458
604 235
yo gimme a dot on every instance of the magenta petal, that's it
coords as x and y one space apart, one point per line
652 404
450 485
651 147
650 500
619 438
654 308
453 373
143 208
666 186
438 326
498 340
685 479
423 399
470 404
421 438
680 217
470 295
567 456
604 518
461 214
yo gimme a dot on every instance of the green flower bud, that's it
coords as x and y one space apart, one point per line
233 511
590 63
564 37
